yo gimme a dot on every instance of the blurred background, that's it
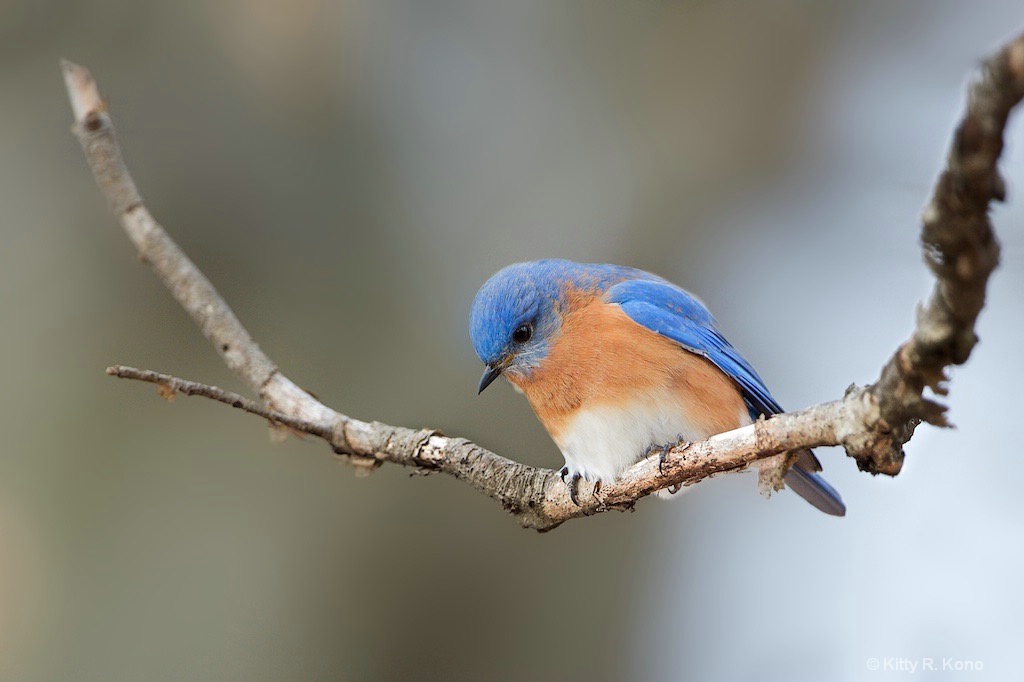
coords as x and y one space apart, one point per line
348 173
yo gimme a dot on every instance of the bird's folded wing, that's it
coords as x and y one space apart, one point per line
675 314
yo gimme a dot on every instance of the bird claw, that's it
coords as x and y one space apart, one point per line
572 482
663 451
662 456
574 490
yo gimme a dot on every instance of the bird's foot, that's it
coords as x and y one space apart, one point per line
572 481
663 451
574 489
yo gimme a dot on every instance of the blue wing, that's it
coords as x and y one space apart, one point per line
670 311
675 314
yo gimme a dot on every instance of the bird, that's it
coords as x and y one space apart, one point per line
617 363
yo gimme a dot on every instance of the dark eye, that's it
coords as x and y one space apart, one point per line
523 333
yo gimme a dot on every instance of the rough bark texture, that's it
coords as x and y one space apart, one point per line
871 423
961 249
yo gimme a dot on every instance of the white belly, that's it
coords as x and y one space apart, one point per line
601 443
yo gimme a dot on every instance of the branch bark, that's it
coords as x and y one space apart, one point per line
872 423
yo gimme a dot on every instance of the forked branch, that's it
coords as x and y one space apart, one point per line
872 423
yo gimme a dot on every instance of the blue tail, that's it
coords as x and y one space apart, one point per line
813 488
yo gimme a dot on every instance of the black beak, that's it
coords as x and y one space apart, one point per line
490 374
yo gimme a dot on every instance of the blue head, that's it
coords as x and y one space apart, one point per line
517 313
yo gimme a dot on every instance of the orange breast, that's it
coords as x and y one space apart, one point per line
602 358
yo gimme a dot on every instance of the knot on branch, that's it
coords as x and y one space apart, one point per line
867 436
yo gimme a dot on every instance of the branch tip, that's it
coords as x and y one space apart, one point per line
872 423
82 90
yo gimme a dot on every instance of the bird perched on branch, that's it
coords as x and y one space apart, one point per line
617 362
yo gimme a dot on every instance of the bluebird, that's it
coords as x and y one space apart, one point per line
617 362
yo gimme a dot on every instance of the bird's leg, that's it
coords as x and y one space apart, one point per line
672 490
563 472
663 451
662 456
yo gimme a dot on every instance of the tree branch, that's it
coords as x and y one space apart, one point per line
871 423
171 386
961 249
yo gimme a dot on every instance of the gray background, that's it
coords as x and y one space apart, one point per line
348 173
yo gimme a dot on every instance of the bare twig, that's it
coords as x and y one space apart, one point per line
173 385
187 284
872 423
